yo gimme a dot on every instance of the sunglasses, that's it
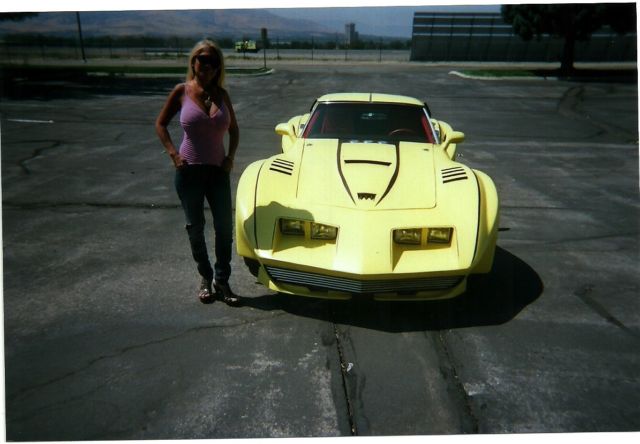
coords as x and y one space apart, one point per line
207 60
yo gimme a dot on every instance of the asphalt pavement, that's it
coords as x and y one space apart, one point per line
105 338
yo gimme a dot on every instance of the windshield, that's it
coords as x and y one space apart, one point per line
370 122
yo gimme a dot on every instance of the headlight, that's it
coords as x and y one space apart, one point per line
414 236
320 231
439 235
296 227
292 226
411 236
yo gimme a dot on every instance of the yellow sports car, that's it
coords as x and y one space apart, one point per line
366 200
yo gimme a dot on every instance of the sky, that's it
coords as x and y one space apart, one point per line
371 17
389 21
121 5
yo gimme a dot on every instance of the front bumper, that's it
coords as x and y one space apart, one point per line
331 285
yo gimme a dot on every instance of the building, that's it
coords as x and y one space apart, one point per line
351 35
486 37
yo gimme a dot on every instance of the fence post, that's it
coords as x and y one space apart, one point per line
450 38
473 19
490 40
84 59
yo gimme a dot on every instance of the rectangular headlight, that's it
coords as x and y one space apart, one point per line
411 236
321 231
439 235
292 226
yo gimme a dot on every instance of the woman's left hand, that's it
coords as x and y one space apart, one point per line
227 164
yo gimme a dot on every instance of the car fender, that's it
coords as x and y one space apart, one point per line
245 210
488 222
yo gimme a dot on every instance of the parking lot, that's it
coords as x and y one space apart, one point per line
105 338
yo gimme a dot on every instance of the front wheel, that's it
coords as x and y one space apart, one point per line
253 266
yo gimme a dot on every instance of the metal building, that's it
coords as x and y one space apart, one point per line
486 37
351 35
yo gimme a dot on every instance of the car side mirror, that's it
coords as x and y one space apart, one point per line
285 129
288 133
450 144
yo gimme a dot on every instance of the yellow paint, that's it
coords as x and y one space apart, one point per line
317 181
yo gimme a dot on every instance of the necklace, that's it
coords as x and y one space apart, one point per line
207 96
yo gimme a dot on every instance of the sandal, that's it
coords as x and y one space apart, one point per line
205 294
226 294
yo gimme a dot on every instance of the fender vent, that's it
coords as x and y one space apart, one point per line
282 166
453 174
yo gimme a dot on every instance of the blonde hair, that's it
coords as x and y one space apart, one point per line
197 49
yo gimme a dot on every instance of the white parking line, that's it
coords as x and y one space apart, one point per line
30 121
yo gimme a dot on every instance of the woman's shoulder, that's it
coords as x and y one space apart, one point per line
180 88
178 93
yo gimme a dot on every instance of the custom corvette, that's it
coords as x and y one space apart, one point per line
366 200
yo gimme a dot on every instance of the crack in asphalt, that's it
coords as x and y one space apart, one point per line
552 208
35 154
568 107
456 388
343 371
54 205
584 295
24 391
28 415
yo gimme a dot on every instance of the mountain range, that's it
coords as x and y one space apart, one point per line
383 21
186 23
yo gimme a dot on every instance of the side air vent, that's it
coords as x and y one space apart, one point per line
453 174
282 166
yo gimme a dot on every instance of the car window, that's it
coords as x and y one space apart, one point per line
369 122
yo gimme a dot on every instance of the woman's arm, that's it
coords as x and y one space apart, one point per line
234 134
170 109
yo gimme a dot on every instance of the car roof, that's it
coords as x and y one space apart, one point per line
369 98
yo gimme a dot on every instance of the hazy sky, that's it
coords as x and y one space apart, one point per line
392 21
383 20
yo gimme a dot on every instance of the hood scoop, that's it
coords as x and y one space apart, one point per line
368 171
366 176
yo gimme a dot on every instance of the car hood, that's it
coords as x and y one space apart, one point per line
372 175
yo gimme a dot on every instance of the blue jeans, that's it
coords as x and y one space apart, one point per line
194 184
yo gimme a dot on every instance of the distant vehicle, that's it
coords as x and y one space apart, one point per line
247 46
366 198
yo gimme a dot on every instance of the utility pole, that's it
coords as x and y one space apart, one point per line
263 34
84 59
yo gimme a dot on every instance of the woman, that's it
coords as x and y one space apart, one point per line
202 168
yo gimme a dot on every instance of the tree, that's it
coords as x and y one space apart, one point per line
571 22
16 16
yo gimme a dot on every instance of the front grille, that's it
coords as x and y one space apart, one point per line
315 281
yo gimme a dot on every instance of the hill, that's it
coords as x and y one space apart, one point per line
189 23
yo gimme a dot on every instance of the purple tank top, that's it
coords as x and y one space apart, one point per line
203 141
